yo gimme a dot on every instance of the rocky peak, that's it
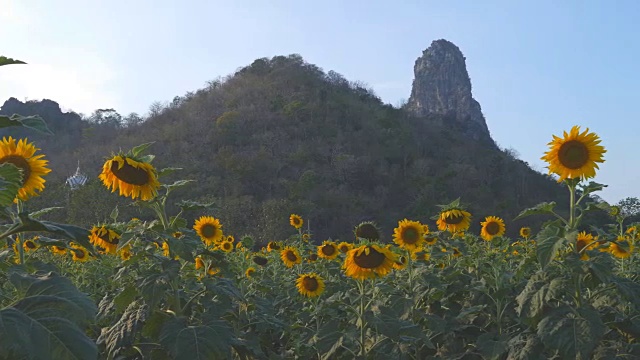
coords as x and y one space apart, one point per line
442 86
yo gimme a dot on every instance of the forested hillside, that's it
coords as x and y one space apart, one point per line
281 136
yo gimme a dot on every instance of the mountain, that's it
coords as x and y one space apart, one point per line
281 136
442 86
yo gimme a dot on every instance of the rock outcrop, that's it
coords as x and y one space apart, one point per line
442 86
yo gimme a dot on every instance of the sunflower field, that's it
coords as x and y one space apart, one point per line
173 289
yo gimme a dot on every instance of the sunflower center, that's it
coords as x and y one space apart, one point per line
208 230
367 231
328 250
30 244
371 260
313 257
410 235
114 241
344 248
310 284
226 246
129 174
80 254
291 256
492 228
19 162
573 154
260 260
454 219
580 244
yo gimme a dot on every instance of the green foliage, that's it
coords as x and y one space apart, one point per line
31 122
47 320
10 183
9 61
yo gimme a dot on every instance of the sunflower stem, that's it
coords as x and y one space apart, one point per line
363 349
572 204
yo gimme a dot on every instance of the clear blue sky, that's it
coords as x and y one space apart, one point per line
537 68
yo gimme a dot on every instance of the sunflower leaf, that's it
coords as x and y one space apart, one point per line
592 186
46 322
492 345
10 183
177 184
34 122
210 341
549 241
186 205
136 151
168 171
77 234
37 214
542 208
573 332
9 61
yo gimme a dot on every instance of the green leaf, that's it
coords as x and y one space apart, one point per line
193 205
77 234
168 171
9 61
210 341
526 348
537 293
46 322
592 186
125 297
10 183
549 241
542 208
37 214
629 289
181 248
122 335
574 333
33 122
491 345
136 151
114 214
177 184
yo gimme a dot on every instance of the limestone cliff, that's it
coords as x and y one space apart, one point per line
442 86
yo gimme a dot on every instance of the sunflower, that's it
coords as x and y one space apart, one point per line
30 245
177 234
344 247
273 246
621 248
584 240
409 235
290 256
165 249
260 260
79 253
310 285
328 250
58 250
132 177
400 263
21 155
296 221
454 220
367 230
574 155
633 232
239 246
250 271
525 232
125 253
368 261
313 257
420 255
209 229
430 239
231 239
105 238
306 237
213 271
492 226
199 263
456 252
226 246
